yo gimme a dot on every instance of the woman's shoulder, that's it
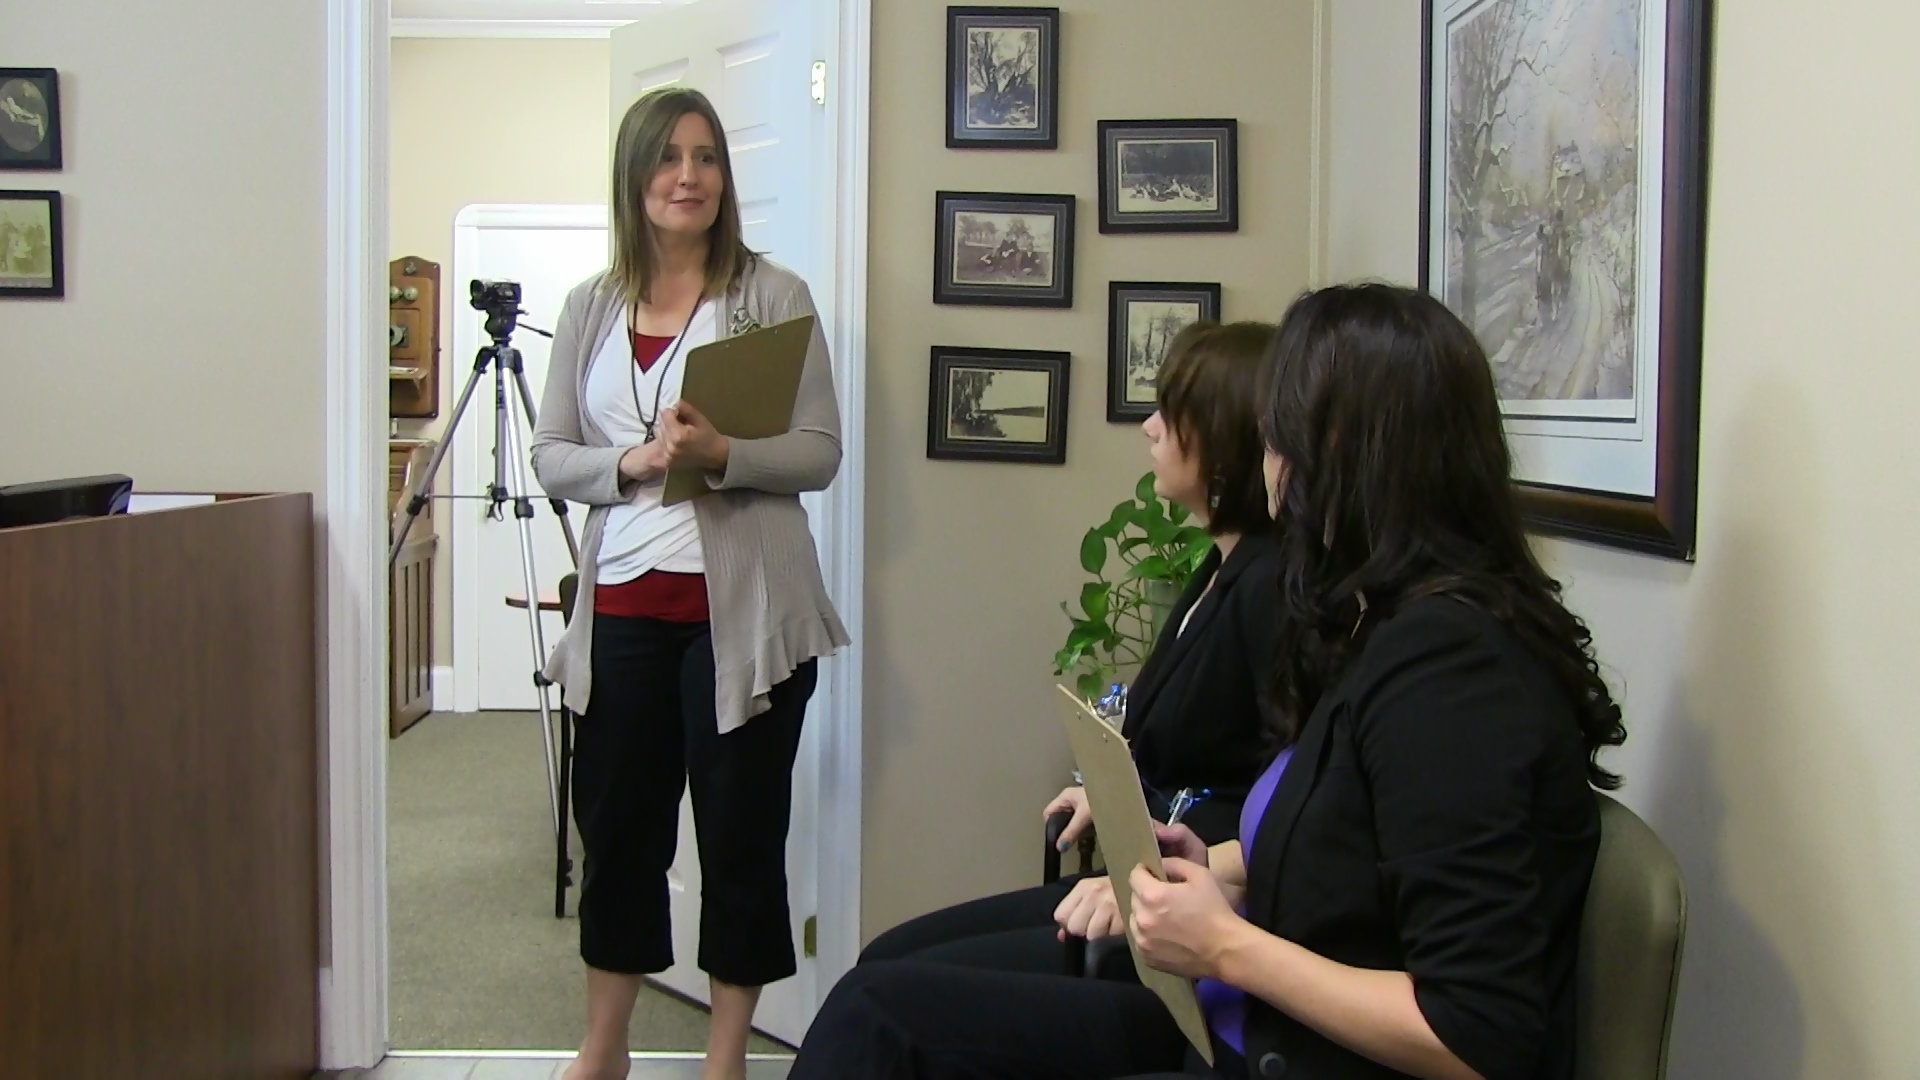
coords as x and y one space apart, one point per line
769 284
583 293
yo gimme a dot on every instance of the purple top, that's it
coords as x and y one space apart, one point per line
1226 1006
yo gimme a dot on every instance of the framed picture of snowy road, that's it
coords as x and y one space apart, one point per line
1176 176
1562 217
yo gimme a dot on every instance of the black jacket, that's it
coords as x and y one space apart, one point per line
1194 714
1435 819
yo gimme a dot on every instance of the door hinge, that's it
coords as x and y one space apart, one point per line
819 82
810 937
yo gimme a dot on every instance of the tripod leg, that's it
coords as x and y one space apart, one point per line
417 501
559 505
523 519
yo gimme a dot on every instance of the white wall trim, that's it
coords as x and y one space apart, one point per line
353 1003
837 879
1319 256
441 688
471 437
504 28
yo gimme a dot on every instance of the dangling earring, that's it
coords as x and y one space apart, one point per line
1213 495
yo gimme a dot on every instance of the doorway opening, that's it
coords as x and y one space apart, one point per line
470 771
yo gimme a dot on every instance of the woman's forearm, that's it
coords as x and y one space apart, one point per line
1373 1013
1227 863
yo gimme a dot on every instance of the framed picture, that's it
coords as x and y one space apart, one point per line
1142 319
1562 217
29 118
32 260
997 405
1003 78
1178 176
1003 250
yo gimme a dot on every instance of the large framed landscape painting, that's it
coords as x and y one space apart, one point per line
1562 217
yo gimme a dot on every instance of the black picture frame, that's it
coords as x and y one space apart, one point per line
1129 320
29 119
1011 117
1133 175
973 227
1663 523
983 433
16 212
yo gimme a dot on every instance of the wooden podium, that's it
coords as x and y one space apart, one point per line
159 803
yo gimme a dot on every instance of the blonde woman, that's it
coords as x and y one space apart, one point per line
690 655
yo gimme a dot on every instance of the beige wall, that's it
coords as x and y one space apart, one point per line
485 121
188 351
967 562
1773 728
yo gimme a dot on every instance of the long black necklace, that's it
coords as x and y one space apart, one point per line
633 380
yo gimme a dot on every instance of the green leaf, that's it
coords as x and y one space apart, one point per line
1144 489
1093 600
1093 551
1090 686
1153 566
1162 533
1178 514
1129 544
1118 521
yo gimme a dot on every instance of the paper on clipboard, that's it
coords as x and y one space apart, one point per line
1125 831
745 385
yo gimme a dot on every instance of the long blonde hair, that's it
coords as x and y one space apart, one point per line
645 132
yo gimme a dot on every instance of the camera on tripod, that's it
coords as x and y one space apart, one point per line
501 301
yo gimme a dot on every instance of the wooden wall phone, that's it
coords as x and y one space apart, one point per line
413 338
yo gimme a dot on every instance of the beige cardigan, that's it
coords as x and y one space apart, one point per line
770 610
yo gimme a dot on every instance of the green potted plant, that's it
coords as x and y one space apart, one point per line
1140 559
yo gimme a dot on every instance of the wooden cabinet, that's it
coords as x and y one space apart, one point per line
410 590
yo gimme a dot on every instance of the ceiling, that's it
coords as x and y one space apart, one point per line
517 18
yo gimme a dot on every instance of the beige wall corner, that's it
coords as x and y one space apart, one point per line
1769 704
968 562
189 350
485 120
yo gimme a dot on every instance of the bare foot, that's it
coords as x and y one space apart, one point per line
599 1067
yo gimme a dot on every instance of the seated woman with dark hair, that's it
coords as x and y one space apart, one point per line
1404 896
1193 714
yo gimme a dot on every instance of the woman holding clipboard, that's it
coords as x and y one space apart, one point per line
690 654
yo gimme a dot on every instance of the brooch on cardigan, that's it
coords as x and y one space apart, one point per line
743 322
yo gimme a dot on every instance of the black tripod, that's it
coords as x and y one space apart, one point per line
501 301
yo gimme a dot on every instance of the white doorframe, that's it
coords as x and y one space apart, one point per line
354 957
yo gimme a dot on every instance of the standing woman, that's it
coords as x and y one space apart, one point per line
690 653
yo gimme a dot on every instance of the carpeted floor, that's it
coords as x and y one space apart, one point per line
478 960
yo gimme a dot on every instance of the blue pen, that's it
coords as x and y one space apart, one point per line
1183 801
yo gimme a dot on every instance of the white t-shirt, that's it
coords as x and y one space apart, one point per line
643 535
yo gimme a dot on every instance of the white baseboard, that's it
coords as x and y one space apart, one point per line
443 688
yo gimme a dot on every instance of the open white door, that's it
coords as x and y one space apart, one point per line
754 60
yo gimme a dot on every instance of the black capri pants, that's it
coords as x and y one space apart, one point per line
649 732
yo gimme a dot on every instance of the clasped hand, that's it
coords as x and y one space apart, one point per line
686 437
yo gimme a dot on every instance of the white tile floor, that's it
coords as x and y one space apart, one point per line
550 1067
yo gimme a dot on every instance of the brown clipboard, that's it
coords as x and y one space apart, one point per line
745 385
1124 828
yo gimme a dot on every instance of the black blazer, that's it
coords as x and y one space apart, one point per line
1435 819
1194 712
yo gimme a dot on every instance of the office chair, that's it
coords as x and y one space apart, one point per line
1631 937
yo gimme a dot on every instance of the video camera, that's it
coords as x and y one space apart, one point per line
501 301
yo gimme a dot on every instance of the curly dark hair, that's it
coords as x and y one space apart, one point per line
1398 485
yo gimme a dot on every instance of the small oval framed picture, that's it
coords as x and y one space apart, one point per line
1003 78
1176 176
1143 319
29 118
